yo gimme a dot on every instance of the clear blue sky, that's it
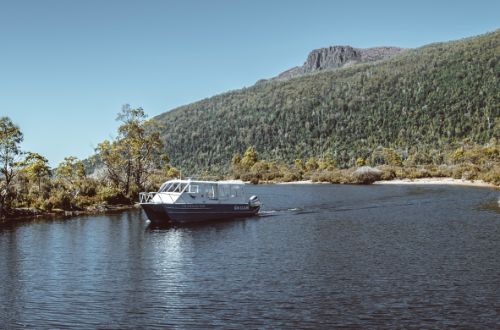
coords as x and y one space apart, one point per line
67 67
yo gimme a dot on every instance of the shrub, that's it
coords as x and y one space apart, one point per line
492 175
254 180
112 195
388 172
290 176
340 177
360 162
60 199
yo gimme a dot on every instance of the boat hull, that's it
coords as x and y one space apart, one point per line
188 213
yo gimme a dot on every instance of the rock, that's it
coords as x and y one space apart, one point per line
366 175
331 57
336 57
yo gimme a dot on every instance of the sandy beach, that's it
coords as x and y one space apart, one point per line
447 181
421 181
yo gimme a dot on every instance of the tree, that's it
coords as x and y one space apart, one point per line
312 164
36 168
135 154
236 160
118 167
326 163
71 172
10 139
391 157
249 158
360 161
236 166
299 165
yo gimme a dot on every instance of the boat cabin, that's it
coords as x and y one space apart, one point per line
197 192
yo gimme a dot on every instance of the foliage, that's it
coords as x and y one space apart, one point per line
10 139
249 158
70 172
112 195
470 162
360 161
36 168
134 161
135 155
418 103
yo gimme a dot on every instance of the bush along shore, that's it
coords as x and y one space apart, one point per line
28 213
466 161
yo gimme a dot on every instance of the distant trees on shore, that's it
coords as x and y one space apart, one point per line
467 160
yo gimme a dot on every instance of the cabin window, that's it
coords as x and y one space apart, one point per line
173 187
179 188
235 191
162 188
166 187
193 189
223 191
211 191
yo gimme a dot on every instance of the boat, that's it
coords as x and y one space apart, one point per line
184 201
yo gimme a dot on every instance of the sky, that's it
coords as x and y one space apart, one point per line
67 67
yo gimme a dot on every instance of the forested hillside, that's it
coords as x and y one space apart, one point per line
420 102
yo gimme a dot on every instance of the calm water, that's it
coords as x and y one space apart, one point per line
319 256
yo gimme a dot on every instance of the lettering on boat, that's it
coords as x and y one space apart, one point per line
191 206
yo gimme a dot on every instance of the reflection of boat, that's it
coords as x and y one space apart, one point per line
183 201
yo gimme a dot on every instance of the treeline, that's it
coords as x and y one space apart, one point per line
468 161
420 104
133 162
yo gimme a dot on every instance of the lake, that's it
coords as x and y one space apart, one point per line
317 256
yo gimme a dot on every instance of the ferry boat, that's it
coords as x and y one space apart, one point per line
184 201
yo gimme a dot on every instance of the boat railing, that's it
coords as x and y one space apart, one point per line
146 197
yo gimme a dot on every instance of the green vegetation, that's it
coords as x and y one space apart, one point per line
134 161
418 104
469 161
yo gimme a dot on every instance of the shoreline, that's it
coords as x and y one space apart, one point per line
418 181
30 214
63 214
439 181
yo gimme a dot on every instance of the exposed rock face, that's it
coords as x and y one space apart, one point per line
337 57
331 57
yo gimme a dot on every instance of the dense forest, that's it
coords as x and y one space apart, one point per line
422 104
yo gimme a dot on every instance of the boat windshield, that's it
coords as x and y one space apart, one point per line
172 187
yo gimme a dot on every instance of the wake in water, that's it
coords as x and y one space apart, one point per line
268 213
352 207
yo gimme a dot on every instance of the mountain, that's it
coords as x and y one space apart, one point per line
337 57
420 100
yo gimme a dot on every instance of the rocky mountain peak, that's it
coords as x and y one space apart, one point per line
336 57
